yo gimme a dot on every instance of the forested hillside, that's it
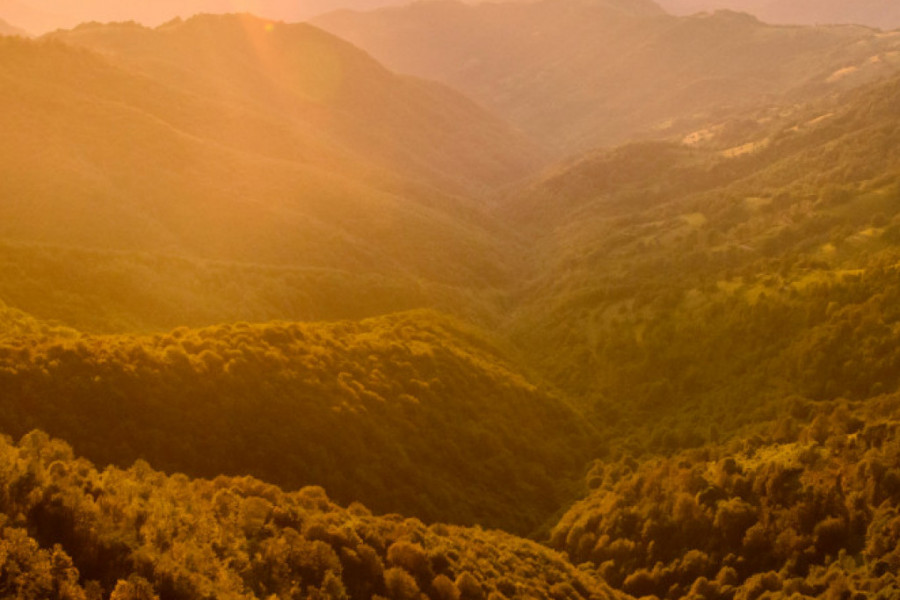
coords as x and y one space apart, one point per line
245 268
576 75
71 532
700 281
214 176
355 407
807 509
247 183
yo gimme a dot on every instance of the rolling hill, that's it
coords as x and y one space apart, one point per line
576 75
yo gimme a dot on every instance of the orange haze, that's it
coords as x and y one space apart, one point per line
40 16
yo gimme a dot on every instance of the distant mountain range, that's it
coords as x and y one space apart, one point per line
884 14
41 16
577 74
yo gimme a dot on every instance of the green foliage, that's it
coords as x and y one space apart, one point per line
718 317
782 516
138 534
412 413
677 288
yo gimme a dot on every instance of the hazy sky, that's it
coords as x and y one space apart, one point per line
39 16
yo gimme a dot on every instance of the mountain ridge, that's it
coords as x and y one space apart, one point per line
873 13
590 76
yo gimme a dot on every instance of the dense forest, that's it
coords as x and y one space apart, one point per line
352 406
278 322
76 533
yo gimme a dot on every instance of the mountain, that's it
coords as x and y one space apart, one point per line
73 532
322 90
592 74
874 13
673 363
235 140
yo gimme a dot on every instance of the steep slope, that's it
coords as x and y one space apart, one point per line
874 13
585 74
410 413
72 532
